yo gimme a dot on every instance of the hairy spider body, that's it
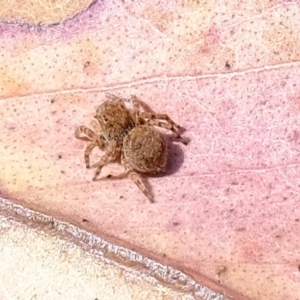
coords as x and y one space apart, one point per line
145 149
114 119
129 138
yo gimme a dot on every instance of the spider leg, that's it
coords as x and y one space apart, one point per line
112 153
104 160
90 135
135 102
96 126
87 153
152 118
137 179
157 120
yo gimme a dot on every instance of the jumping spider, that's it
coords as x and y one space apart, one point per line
129 138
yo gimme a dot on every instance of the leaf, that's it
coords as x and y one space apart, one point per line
228 73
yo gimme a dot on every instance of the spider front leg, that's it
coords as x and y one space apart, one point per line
137 179
91 136
112 153
87 153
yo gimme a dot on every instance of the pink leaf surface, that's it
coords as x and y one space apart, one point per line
227 72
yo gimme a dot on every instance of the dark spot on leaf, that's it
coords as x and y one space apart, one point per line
87 63
221 270
227 65
241 229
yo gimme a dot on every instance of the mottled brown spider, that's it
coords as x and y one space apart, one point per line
128 137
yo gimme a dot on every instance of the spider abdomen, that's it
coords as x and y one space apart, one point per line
144 148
